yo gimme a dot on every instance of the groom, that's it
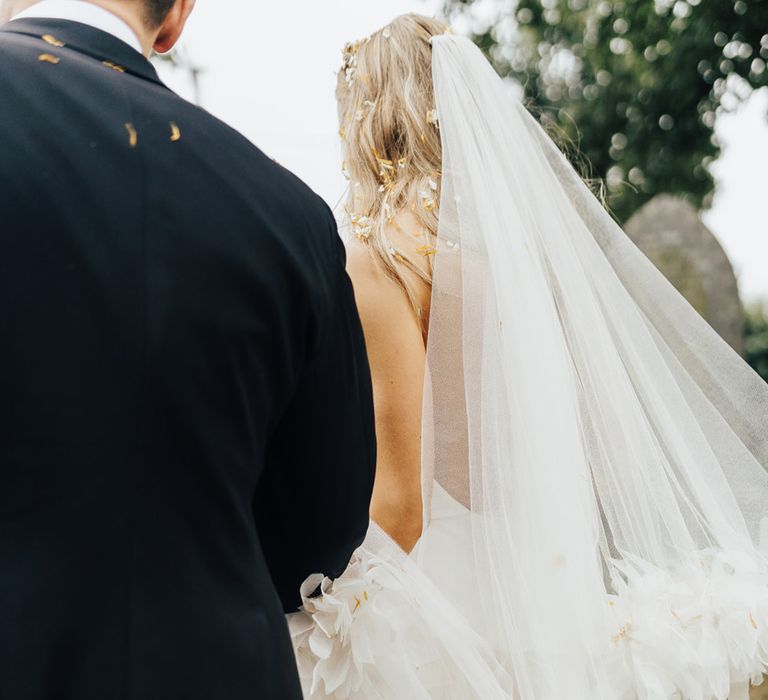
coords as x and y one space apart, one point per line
186 425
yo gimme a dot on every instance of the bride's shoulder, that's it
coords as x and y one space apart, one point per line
410 259
381 298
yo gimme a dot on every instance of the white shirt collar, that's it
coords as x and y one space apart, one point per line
85 13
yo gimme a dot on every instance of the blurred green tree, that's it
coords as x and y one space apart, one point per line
635 85
756 338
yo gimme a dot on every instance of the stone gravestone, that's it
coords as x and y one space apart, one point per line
669 231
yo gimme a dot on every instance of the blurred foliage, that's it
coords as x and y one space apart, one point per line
635 85
756 338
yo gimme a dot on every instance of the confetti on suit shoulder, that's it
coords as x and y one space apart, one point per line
113 66
48 58
175 132
133 136
52 40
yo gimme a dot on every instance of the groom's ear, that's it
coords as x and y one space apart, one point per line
173 25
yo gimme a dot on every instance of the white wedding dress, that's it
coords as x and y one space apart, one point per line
594 458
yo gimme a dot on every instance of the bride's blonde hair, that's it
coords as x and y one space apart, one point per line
391 140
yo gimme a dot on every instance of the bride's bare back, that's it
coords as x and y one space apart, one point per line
396 351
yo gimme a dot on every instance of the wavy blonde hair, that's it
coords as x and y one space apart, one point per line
391 141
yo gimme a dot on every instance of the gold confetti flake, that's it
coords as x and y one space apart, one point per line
133 136
426 250
428 201
52 40
362 226
113 66
387 172
49 58
349 66
622 633
175 132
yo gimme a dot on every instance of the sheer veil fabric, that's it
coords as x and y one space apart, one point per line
594 457
593 453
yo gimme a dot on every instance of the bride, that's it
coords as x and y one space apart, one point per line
571 484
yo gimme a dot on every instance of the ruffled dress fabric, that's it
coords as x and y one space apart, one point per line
701 633
383 630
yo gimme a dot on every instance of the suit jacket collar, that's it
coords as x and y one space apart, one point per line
86 40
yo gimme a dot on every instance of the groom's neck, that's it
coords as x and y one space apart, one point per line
133 13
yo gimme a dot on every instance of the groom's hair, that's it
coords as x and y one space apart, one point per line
157 11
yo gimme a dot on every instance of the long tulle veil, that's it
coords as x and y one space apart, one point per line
594 454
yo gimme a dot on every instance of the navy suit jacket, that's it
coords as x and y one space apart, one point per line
186 423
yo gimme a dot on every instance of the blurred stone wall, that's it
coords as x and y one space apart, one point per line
669 231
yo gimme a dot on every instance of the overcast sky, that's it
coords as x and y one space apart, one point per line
269 70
